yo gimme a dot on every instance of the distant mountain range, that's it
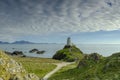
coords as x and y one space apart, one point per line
17 42
4 42
23 42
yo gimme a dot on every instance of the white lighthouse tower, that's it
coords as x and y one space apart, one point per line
69 41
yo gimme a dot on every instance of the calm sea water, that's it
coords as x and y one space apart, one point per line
103 49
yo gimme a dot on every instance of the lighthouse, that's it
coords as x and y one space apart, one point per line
69 41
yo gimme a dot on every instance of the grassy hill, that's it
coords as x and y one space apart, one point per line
92 67
69 54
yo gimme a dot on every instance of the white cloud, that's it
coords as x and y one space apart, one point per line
29 17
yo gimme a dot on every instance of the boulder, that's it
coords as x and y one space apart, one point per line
40 52
17 53
33 50
36 51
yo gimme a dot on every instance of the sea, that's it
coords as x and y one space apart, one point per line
50 49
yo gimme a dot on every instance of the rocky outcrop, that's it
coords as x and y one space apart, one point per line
88 59
11 70
69 54
40 52
33 50
93 56
36 51
96 67
15 53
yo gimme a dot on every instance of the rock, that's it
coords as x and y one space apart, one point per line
16 77
67 46
33 50
12 70
40 52
31 76
17 53
9 53
93 56
23 56
37 51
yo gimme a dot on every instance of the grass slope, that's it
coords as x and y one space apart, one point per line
103 69
39 66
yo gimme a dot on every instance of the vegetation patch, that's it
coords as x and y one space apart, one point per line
39 66
92 68
69 54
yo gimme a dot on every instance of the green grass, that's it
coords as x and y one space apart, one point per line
39 66
69 54
104 69
64 72
71 66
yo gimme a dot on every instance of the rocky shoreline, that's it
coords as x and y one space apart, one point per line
21 53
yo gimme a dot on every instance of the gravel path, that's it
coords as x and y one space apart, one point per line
59 66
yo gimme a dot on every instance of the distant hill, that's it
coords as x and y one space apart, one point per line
1 42
22 42
17 42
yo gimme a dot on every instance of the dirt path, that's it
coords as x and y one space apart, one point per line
59 66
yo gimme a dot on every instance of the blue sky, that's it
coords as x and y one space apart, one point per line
52 21
99 37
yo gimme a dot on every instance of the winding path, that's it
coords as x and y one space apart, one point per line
59 66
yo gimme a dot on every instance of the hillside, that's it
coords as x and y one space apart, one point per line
11 70
69 54
93 67
22 42
1 42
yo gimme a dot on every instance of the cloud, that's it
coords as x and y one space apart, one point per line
29 17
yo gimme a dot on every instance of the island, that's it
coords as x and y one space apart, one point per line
69 53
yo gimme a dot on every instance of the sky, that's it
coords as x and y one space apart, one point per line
52 21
